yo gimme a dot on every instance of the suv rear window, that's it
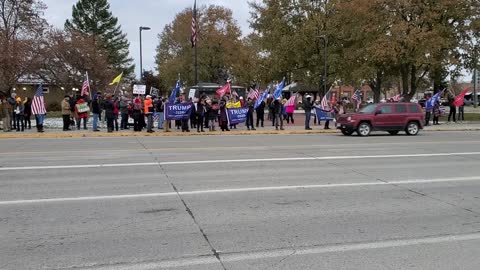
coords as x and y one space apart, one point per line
400 108
414 108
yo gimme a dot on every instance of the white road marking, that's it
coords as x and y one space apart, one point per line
239 190
283 252
218 161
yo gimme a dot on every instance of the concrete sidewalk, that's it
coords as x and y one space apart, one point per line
241 130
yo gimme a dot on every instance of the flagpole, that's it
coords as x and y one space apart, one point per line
116 87
196 30
89 89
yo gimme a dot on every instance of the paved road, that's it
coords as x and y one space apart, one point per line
241 202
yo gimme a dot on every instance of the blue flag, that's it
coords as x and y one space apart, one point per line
179 111
173 96
431 102
261 98
237 115
279 90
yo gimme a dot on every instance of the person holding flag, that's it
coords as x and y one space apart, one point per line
38 108
307 106
459 102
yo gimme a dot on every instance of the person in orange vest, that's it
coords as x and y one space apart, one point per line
148 108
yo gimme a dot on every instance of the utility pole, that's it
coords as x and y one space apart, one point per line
475 86
141 56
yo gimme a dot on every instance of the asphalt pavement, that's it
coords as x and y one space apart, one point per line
315 201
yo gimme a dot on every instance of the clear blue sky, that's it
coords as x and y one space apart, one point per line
153 13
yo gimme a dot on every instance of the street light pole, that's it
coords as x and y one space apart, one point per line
141 56
324 39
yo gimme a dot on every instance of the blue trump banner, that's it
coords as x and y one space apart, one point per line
237 115
323 115
178 111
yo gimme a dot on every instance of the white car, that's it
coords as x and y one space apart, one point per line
370 101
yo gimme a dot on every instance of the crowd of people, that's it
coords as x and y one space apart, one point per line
16 113
147 113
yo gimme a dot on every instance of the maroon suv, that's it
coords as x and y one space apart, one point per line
391 117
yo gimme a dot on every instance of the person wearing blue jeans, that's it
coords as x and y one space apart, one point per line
95 113
307 106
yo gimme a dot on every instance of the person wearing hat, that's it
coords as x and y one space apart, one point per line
307 106
66 112
28 112
148 109
19 114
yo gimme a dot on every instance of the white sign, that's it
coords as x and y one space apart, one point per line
139 89
191 95
154 91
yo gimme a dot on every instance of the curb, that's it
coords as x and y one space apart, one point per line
161 134
183 134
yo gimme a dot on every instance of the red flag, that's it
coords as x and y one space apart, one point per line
459 99
224 90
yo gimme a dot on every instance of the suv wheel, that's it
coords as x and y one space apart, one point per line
364 129
347 132
412 128
393 132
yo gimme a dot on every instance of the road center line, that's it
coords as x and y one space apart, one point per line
238 190
218 161
283 252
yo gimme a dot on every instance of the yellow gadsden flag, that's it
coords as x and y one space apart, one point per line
117 79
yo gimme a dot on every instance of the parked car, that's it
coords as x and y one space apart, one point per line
390 117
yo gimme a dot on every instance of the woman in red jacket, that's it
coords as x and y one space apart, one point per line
81 112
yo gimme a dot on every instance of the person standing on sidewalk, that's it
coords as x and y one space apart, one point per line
260 114
28 113
148 109
307 106
250 105
81 112
95 112
66 112
109 113
453 109
160 108
6 112
12 100
200 114
278 110
461 112
20 114
124 113
436 112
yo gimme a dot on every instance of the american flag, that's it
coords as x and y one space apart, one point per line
85 86
324 103
356 96
253 94
38 103
193 39
291 101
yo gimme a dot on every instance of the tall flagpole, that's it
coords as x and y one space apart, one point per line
195 41
89 89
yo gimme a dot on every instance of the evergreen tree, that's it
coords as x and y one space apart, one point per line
93 18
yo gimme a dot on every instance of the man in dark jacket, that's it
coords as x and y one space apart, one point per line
123 106
260 113
307 106
12 100
95 112
109 113
250 105
200 114
278 111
